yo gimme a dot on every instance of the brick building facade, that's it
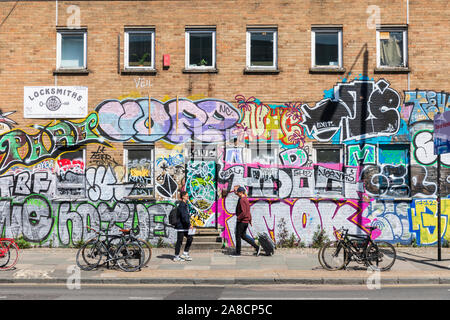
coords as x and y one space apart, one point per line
322 109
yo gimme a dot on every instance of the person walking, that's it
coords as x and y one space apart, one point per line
244 217
183 226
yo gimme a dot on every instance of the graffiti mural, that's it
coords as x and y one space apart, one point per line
175 121
266 122
422 105
19 148
201 188
171 171
58 177
423 221
359 110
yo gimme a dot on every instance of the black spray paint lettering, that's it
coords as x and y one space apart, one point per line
361 108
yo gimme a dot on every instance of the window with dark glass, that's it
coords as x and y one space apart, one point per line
200 51
261 49
327 48
139 49
328 155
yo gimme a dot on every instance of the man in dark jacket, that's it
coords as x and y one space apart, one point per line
183 226
244 217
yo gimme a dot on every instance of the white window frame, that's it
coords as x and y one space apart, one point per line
402 29
126 48
315 30
248 64
59 34
187 33
328 146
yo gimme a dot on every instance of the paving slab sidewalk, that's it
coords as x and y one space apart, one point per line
286 266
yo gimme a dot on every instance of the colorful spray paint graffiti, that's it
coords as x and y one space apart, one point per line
360 109
19 148
201 187
175 121
266 122
386 175
423 221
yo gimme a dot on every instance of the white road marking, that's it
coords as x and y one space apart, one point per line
287 298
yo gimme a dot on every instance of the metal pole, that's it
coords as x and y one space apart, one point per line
439 207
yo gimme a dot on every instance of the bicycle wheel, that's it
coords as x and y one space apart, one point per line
147 249
130 256
90 255
333 256
319 255
9 254
380 255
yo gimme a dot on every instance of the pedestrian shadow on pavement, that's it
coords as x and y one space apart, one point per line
166 256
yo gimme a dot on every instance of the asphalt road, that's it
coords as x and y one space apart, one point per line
234 292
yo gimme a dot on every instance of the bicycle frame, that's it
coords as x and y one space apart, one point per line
4 249
6 246
346 241
110 256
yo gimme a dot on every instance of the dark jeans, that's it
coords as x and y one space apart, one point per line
241 233
180 236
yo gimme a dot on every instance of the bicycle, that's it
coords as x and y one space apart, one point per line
336 255
130 234
127 253
9 253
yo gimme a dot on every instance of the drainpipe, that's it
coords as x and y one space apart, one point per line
56 25
407 24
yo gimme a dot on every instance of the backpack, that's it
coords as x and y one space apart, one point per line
173 217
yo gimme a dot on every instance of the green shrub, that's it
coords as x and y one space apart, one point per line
286 240
319 238
445 243
79 244
22 243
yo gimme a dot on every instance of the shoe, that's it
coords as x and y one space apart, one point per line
258 251
186 257
178 258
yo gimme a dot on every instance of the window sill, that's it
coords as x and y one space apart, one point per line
261 71
81 199
205 70
392 70
326 70
81 72
146 198
137 71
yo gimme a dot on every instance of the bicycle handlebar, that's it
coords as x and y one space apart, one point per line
134 230
344 231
